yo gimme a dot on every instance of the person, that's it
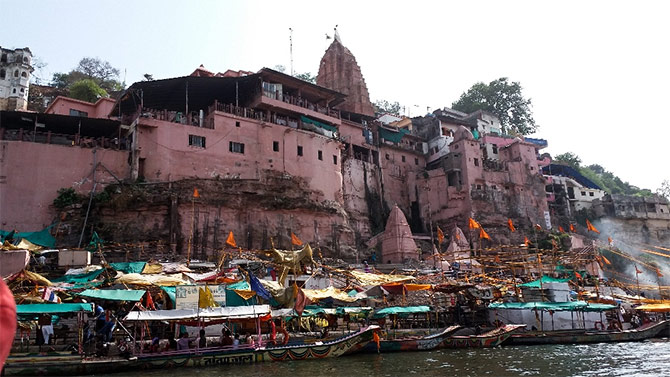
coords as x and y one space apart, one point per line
182 343
250 340
226 339
236 341
367 268
7 321
155 344
202 339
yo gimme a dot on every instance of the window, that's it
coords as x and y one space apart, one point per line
196 141
388 157
476 160
591 193
403 158
494 187
583 193
14 90
416 161
299 150
77 113
335 159
237 124
16 73
275 146
4 58
320 155
23 74
494 149
3 74
479 187
22 90
236 147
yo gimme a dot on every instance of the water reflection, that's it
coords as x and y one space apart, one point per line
650 358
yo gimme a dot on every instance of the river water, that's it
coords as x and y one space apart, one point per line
649 358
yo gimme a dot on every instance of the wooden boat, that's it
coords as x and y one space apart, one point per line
61 364
425 343
643 332
488 339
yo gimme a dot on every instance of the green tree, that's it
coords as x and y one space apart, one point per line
87 90
95 69
570 159
307 76
384 106
502 98
664 190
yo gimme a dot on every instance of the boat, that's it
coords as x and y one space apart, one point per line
646 331
63 363
488 339
424 343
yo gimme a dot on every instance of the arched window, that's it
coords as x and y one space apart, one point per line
22 90
14 91
23 74
3 74
16 73
4 58
25 59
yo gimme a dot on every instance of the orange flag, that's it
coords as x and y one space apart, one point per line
483 234
472 224
560 229
231 240
295 240
658 273
578 275
440 235
510 224
538 227
196 194
497 259
610 240
458 237
606 260
526 241
572 228
637 271
590 227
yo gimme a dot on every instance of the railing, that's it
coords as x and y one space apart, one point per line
190 119
64 139
240 111
301 102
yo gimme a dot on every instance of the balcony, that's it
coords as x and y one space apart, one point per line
297 105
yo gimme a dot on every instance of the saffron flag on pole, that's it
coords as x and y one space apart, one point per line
560 229
295 240
607 261
538 227
526 241
472 224
440 235
610 240
510 224
636 270
572 228
578 275
230 241
483 234
658 273
590 227
196 194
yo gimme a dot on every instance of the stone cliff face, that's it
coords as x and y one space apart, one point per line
254 210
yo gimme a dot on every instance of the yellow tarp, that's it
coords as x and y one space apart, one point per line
245 294
36 278
159 280
366 279
290 260
27 245
654 307
320 294
152 268
206 299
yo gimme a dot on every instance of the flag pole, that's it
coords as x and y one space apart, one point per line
637 280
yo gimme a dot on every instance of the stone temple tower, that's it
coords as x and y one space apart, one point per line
15 71
339 71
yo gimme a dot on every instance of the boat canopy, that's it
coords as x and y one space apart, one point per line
29 309
228 312
114 294
401 310
553 306
654 308
545 280
129 267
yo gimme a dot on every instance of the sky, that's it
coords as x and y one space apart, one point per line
597 72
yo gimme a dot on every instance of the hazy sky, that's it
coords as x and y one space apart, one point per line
597 71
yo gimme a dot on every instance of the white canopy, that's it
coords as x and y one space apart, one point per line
228 312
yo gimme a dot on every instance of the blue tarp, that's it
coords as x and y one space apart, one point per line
568 171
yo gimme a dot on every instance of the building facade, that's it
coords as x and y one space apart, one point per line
15 71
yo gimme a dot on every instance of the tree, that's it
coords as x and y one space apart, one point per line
664 190
502 98
307 76
570 159
384 106
87 90
101 72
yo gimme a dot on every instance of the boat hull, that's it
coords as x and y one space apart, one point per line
426 343
635 335
491 339
74 365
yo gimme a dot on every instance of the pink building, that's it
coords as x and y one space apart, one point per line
74 107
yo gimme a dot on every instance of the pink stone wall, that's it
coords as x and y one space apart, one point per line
168 155
63 105
34 172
